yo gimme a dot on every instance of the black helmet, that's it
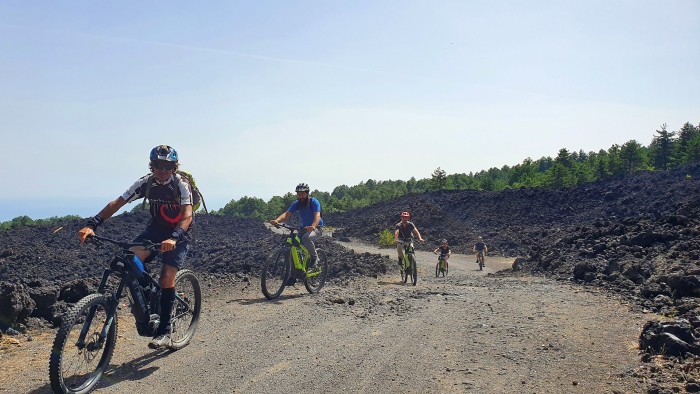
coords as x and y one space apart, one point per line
164 152
302 187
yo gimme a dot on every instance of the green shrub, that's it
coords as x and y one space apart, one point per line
386 238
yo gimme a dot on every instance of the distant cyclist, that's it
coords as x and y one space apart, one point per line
480 247
444 250
309 209
405 230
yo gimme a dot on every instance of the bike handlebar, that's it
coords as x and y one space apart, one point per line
124 245
419 241
287 226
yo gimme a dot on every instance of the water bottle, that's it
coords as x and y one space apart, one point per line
138 266
139 272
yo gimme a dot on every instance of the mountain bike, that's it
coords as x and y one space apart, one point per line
85 342
289 263
442 267
408 266
480 259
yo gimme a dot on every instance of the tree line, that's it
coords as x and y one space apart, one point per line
667 150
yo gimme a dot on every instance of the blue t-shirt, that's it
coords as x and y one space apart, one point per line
307 213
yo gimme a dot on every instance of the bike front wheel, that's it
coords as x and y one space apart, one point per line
481 263
404 271
315 279
414 269
275 273
186 309
77 363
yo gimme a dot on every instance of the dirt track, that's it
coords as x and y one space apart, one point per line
470 332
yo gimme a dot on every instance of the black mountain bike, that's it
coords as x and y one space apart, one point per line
480 259
85 341
408 264
288 263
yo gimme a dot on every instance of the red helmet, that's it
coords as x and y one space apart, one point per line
405 214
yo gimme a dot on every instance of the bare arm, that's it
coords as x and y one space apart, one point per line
284 217
417 234
106 213
317 220
180 229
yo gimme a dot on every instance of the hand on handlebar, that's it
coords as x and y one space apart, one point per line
84 233
167 245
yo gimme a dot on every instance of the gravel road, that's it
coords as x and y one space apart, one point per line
470 332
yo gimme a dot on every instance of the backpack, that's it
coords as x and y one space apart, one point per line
197 198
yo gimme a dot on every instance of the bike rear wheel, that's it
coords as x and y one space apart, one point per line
315 279
481 263
186 310
77 367
275 273
414 269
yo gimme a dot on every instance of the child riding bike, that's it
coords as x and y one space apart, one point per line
480 249
444 250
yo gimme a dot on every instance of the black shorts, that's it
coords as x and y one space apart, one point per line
155 234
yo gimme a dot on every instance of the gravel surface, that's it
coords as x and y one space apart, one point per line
472 332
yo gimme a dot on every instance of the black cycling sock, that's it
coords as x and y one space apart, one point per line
167 299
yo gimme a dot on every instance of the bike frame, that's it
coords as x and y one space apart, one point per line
300 253
124 265
407 248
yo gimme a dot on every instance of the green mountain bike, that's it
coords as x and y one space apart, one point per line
408 266
289 263
442 267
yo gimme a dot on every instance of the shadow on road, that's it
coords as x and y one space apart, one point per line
133 370
263 300
397 282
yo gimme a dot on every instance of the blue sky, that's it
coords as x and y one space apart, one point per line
257 96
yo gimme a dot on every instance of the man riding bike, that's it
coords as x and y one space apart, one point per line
444 250
405 230
480 247
170 201
309 209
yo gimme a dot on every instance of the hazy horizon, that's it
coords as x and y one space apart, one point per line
259 96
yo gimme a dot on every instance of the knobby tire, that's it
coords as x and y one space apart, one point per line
186 309
65 371
275 273
404 271
314 284
414 269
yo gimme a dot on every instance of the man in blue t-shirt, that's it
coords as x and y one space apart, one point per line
309 209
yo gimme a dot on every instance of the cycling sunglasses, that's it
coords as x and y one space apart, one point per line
163 165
